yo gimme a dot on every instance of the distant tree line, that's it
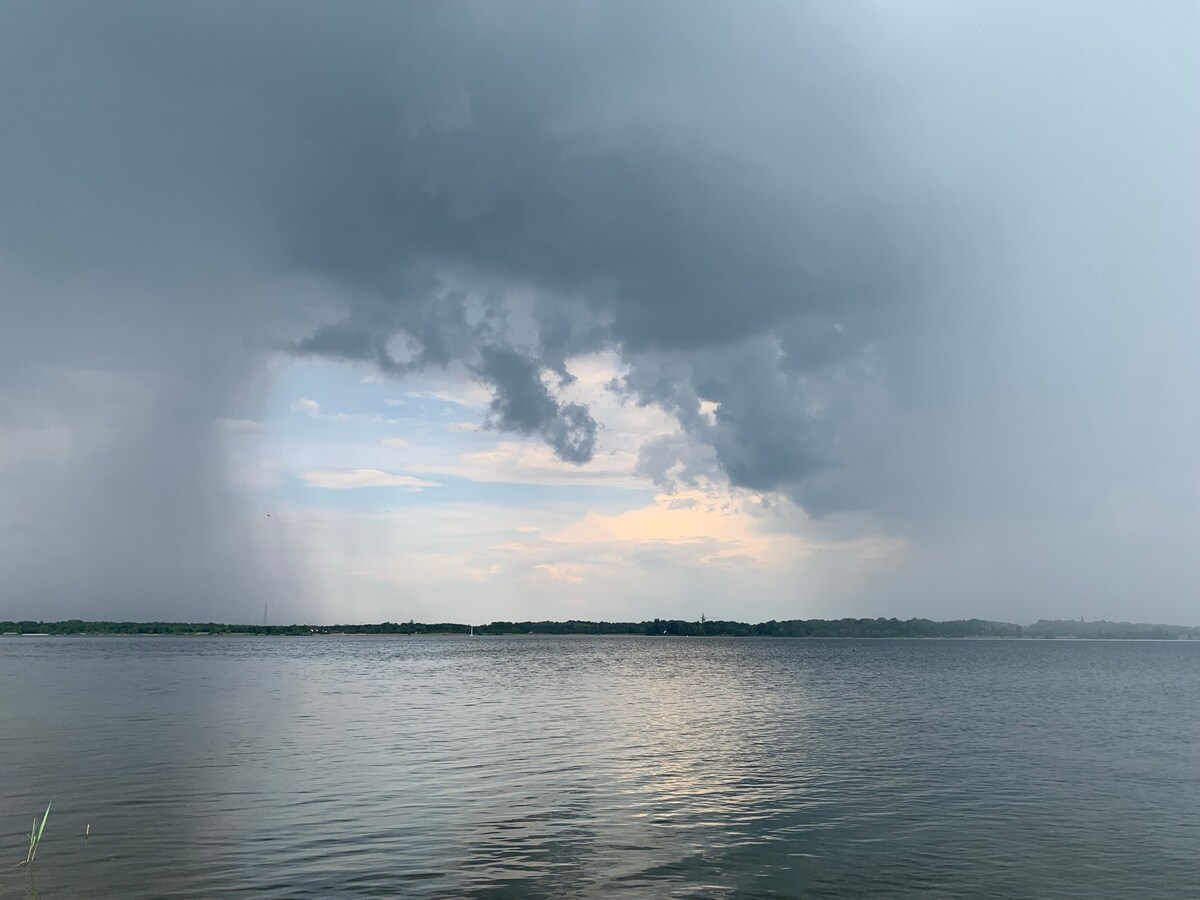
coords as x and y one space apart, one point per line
1127 631
78 626
789 628
811 628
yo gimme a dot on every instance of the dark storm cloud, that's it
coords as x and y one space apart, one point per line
523 404
701 193
875 260
697 193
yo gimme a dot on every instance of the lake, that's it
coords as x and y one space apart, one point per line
599 767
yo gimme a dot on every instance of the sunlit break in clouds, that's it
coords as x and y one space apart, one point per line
463 312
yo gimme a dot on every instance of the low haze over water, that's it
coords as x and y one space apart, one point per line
562 767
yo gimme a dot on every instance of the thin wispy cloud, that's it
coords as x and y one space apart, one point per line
365 478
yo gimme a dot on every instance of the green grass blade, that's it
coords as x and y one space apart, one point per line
45 816
35 834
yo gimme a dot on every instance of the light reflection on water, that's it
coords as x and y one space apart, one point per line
552 767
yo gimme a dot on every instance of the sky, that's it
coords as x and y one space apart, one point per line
622 310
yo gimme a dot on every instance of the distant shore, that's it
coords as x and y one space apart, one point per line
810 628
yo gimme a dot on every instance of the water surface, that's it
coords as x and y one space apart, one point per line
599 766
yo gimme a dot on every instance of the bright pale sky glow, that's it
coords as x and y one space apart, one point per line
599 310
399 490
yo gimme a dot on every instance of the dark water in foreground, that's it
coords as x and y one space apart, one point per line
564 767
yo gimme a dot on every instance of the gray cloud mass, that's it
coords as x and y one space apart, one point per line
935 264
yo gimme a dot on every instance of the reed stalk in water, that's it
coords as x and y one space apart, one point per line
35 837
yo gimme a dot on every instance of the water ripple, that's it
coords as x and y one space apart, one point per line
581 767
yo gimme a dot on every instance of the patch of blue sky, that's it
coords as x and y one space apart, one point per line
336 424
314 399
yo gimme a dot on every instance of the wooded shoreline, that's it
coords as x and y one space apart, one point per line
810 628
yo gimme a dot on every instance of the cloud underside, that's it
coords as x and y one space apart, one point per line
500 195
